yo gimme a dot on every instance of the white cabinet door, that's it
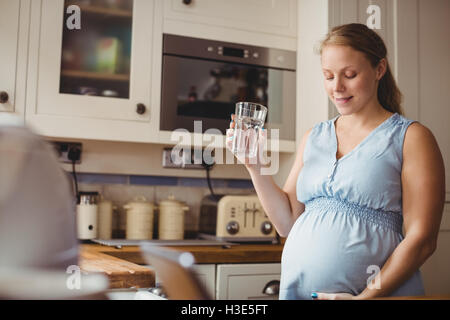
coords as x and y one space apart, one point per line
13 30
206 273
266 16
247 281
90 69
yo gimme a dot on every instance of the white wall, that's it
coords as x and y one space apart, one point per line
423 51
312 100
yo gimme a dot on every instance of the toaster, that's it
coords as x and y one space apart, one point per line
235 218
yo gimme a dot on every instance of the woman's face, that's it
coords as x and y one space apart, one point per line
350 80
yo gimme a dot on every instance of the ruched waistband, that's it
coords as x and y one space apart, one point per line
389 219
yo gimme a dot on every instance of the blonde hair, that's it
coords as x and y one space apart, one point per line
361 38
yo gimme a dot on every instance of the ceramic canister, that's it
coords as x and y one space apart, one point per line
171 219
140 214
105 219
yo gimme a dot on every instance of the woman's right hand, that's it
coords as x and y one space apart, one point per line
249 162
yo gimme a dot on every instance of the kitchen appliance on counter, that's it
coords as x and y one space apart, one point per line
203 79
235 218
87 216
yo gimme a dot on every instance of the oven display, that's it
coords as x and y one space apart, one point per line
233 52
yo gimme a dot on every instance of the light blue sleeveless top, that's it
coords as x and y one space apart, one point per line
353 214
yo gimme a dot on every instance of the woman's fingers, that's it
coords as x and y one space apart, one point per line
229 138
232 123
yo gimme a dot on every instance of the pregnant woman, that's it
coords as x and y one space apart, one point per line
362 205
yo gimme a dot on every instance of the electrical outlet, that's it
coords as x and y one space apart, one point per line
67 150
167 161
182 159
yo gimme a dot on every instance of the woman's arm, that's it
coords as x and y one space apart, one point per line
423 196
280 205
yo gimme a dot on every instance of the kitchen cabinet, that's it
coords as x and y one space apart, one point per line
206 273
267 16
90 69
238 281
267 23
248 281
13 53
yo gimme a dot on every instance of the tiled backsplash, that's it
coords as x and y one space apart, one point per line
121 189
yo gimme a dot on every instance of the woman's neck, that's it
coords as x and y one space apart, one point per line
367 117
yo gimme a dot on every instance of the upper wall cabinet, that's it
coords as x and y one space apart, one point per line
256 22
13 34
269 16
90 70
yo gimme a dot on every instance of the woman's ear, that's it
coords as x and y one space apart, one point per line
381 68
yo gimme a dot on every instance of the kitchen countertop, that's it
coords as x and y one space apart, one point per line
124 266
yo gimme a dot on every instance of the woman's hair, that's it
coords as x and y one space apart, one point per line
361 38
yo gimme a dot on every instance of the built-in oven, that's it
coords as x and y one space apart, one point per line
203 79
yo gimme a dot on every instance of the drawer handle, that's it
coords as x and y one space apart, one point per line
187 2
272 288
4 97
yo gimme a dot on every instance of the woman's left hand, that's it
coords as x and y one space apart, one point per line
334 296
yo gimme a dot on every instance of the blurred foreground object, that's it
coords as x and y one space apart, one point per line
37 208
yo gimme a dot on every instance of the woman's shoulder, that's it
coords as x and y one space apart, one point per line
401 119
417 133
316 130
323 125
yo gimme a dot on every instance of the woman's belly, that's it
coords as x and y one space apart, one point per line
332 251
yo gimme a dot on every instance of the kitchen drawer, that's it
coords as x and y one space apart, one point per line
246 281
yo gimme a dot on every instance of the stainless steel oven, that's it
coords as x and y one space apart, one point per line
203 79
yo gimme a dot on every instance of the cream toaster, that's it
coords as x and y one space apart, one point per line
235 218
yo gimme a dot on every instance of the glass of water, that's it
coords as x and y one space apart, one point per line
249 119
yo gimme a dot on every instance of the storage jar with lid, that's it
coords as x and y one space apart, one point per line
171 219
105 218
140 215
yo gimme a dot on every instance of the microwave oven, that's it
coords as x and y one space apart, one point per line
203 79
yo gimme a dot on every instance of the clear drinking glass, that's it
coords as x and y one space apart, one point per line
249 119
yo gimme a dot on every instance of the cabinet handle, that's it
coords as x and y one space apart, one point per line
4 97
141 108
272 288
187 2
